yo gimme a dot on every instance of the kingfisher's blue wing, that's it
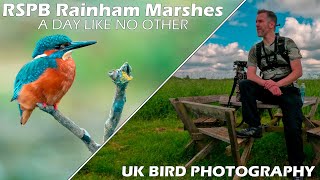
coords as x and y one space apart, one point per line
31 72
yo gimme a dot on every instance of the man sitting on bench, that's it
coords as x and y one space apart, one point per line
278 58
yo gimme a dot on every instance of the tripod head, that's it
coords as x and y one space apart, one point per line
242 64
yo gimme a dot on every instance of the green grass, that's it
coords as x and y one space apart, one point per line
155 136
160 107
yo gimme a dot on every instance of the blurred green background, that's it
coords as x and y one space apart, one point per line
45 149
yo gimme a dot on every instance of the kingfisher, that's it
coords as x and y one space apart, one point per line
48 76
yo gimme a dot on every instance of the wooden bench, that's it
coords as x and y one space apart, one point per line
206 125
205 137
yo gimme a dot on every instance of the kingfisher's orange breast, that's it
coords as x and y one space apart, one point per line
51 86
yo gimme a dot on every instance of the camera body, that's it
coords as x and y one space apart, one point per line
240 63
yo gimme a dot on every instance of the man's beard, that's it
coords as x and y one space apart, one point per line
261 34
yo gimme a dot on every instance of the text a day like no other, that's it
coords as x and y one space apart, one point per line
117 24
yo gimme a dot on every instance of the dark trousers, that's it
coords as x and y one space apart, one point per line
290 104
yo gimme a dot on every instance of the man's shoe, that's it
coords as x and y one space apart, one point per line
255 132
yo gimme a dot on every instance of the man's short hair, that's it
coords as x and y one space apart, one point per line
270 14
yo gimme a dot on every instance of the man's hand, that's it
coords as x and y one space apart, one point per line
275 90
273 87
269 83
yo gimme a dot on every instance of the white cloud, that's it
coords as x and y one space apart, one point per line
306 8
310 54
214 61
310 67
237 23
235 19
307 36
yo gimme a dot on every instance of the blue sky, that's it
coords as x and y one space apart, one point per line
241 26
298 20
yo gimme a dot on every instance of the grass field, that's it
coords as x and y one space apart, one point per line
154 136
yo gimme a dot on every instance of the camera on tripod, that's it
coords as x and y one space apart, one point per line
240 63
240 74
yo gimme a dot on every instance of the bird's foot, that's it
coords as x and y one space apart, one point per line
44 105
55 107
46 108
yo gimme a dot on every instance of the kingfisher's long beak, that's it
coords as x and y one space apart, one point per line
79 44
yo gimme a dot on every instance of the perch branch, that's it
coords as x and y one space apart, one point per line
115 112
75 129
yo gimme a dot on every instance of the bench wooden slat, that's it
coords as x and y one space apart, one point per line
314 131
198 99
220 133
217 112
201 119
316 122
205 122
223 100
211 120
311 100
